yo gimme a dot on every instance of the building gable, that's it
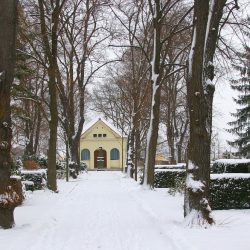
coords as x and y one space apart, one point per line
100 129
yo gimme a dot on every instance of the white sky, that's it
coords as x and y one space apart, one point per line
223 107
223 98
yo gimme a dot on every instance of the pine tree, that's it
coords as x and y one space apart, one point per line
241 125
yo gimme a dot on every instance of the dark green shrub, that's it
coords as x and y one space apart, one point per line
230 191
168 178
231 166
42 161
38 177
29 185
227 191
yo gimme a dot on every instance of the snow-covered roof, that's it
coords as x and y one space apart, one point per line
93 122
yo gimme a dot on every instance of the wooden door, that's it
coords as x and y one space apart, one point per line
100 158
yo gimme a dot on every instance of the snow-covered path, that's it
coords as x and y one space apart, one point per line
97 213
104 210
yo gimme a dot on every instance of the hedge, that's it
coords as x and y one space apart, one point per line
230 191
38 177
167 178
227 191
231 166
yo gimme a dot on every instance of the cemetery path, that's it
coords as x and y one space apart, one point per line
100 210
104 210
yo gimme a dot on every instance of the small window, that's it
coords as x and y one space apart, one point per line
104 135
99 135
114 154
85 155
94 135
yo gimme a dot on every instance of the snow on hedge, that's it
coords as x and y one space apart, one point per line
230 176
232 161
38 171
177 166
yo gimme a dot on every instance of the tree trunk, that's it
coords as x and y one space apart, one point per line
75 154
137 151
199 96
50 46
152 135
198 171
52 185
179 153
131 151
171 142
38 128
8 14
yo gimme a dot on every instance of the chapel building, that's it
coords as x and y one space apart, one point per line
102 146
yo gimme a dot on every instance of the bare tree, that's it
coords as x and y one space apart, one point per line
82 41
49 36
134 18
127 87
161 69
173 105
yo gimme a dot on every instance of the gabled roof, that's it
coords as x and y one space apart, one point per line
93 122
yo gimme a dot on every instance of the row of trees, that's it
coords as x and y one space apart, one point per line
164 71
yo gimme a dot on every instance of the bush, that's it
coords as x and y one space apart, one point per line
230 191
42 161
60 174
177 166
38 177
169 178
28 185
15 182
227 191
60 165
231 166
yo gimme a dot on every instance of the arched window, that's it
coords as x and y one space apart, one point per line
85 155
114 154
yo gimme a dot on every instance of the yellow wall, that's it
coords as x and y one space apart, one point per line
113 140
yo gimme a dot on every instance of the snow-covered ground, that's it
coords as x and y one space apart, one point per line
104 210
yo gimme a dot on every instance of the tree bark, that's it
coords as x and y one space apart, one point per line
53 123
50 45
8 14
152 135
200 91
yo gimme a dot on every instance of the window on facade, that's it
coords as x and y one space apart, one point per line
94 135
99 135
104 135
85 155
114 154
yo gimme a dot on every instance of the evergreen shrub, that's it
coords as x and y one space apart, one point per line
38 177
168 178
230 191
227 191
231 166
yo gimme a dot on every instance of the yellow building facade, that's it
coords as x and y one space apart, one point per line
102 146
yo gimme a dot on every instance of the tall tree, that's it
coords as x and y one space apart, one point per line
134 18
49 13
82 43
8 198
200 89
161 68
241 125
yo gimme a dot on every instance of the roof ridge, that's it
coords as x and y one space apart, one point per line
108 124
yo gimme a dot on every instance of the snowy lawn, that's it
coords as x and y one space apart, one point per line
104 210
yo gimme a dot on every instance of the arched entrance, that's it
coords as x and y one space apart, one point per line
100 158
